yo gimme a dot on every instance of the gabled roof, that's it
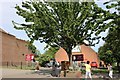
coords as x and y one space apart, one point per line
88 53
61 55
1 30
85 49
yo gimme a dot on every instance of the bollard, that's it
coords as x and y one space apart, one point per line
7 64
21 65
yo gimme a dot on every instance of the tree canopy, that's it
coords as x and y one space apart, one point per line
105 54
47 56
112 40
51 52
112 43
31 47
63 24
115 7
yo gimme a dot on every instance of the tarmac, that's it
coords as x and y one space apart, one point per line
46 73
18 73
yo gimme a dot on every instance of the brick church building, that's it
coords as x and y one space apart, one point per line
13 50
86 53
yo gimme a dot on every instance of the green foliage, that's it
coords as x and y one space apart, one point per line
100 71
51 52
112 43
43 59
113 38
115 7
63 24
47 56
31 47
105 54
38 52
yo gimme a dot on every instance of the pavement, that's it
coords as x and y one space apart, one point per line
46 73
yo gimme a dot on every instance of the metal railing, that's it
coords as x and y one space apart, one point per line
19 65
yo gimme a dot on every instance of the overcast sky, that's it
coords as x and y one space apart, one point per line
8 13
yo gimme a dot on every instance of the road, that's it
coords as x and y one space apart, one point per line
18 73
43 73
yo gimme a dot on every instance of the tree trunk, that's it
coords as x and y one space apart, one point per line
70 58
69 53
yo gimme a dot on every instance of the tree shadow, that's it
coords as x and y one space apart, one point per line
43 72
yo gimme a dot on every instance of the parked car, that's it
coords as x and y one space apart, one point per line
50 64
94 64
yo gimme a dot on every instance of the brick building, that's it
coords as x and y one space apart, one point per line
13 50
86 52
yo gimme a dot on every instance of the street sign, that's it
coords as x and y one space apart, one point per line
29 57
78 57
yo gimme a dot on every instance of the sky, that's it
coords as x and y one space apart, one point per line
8 14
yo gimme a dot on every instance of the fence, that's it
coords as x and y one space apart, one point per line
20 65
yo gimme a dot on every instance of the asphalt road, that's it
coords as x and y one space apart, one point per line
43 73
18 73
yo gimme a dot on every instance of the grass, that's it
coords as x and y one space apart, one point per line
94 71
100 71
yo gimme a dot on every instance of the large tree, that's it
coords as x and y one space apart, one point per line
62 24
113 37
112 43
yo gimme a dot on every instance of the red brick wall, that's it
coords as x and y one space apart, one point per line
13 49
21 49
61 55
8 47
88 53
